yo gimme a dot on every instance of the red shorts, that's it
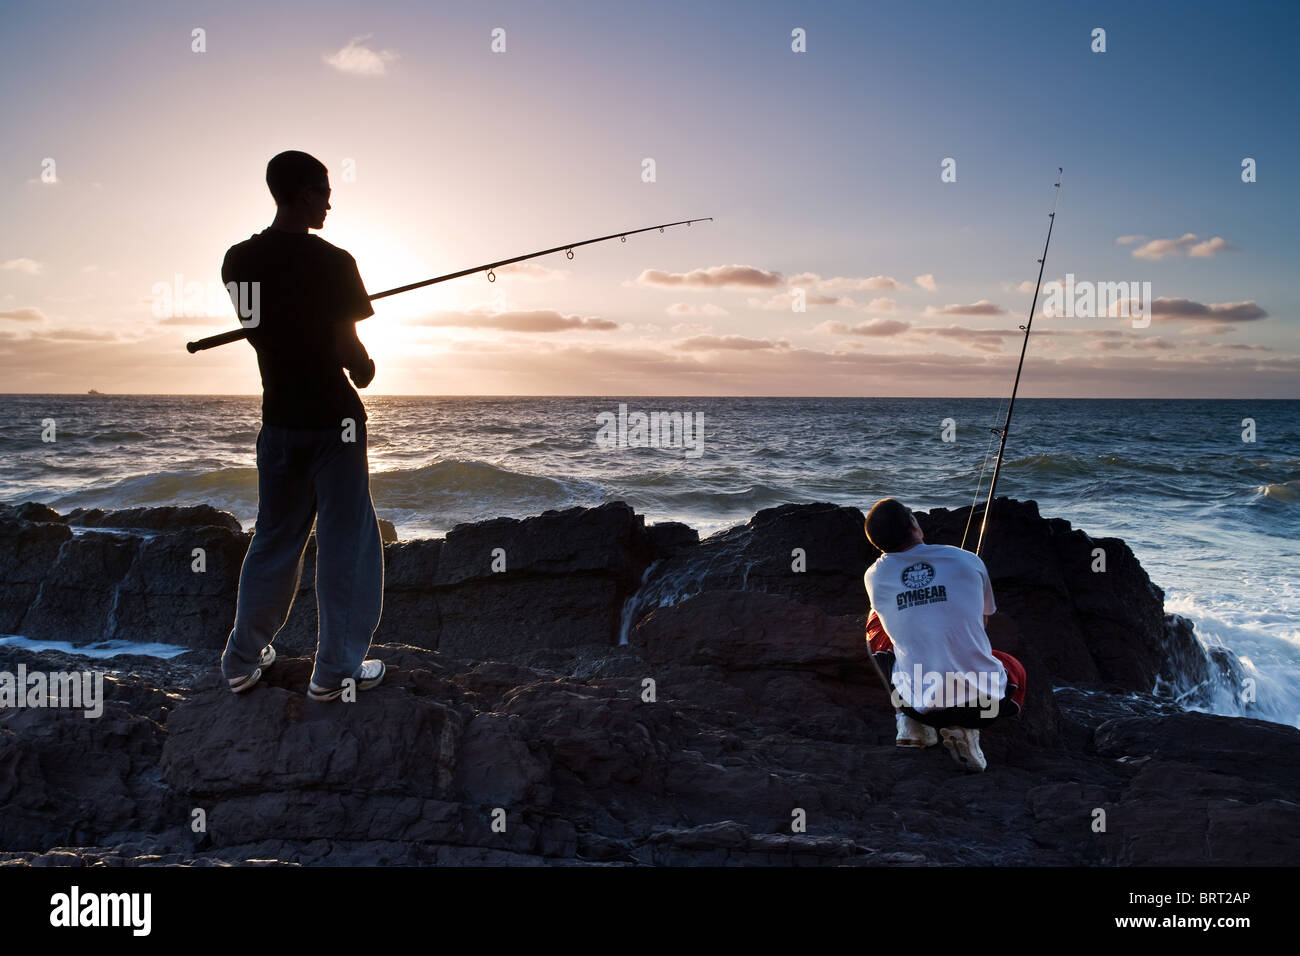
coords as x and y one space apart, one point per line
1015 677
879 642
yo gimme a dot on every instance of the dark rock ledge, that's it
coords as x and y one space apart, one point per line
511 692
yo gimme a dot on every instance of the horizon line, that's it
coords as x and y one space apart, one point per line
522 395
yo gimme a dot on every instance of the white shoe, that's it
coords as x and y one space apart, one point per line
913 733
369 676
964 745
245 682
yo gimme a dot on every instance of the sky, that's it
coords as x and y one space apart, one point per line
879 197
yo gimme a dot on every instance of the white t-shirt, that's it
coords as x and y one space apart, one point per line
932 599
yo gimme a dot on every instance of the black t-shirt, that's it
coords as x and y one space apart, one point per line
306 286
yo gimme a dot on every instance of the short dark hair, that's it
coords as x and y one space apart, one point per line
291 171
889 525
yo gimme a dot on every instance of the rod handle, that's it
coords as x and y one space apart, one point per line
212 341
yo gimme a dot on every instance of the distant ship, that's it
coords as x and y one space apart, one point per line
93 392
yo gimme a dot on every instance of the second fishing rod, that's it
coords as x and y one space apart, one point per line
1005 430
236 335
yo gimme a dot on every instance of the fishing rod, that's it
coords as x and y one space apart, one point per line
225 338
1024 345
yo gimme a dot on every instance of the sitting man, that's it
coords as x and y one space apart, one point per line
930 603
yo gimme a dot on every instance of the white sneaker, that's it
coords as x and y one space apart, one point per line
964 745
245 682
369 676
913 733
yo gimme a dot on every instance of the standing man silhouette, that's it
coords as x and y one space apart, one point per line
311 450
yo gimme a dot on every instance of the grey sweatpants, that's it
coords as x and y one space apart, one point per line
305 474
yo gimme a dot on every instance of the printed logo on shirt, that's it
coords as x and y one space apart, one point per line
916 578
918 575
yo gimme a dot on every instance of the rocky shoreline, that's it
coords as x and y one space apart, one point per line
580 688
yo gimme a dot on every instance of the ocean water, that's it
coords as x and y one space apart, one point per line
1213 517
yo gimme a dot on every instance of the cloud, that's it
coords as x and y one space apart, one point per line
598 365
1175 310
29 266
73 359
785 300
982 307
1204 250
1077 333
961 332
991 339
846 283
714 277
24 315
861 284
1027 286
357 58
1188 242
874 328
710 343
881 305
81 335
818 290
1129 240
555 364
1153 343
988 340
927 282
1238 346
186 319
532 271
537 320
683 308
